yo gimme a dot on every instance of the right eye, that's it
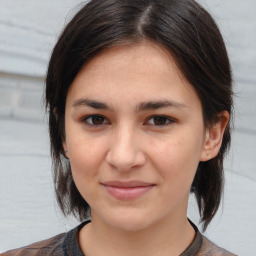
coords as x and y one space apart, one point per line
95 120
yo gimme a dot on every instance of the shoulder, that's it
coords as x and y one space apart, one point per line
60 245
208 248
51 246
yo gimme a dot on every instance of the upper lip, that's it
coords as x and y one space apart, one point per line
127 184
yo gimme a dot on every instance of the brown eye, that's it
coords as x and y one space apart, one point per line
160 120
95 120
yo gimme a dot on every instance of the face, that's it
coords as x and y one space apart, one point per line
134 135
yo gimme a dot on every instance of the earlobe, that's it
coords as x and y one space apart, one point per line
213 137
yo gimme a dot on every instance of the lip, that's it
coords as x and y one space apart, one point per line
129 190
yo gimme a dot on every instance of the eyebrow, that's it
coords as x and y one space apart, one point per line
91 103
151 105
144 106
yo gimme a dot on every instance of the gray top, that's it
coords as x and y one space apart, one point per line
66 244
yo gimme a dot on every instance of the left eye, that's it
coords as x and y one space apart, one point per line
160 120
95 120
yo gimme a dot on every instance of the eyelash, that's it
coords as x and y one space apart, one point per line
167 120
85 120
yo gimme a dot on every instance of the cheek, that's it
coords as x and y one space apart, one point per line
85 160
85 155
177 160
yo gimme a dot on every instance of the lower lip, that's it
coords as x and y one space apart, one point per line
127 193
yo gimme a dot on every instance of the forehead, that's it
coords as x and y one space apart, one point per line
145 56
142 70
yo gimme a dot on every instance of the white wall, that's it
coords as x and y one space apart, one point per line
28 31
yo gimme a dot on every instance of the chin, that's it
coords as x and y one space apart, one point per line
130 222
132 226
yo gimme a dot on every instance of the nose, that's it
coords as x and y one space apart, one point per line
125 152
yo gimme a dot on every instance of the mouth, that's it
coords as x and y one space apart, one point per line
127 190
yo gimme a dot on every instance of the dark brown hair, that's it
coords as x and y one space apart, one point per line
189 34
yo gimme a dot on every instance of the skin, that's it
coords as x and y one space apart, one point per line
131 115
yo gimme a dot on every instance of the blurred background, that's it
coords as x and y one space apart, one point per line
28 211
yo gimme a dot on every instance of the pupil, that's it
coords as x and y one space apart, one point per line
160 120
97 120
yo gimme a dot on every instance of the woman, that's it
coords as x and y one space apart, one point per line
139 98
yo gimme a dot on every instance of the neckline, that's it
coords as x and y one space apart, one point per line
196 244
71 243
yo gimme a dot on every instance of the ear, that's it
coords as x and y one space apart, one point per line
214 136
64 145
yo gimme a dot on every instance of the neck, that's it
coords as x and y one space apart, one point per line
170 237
